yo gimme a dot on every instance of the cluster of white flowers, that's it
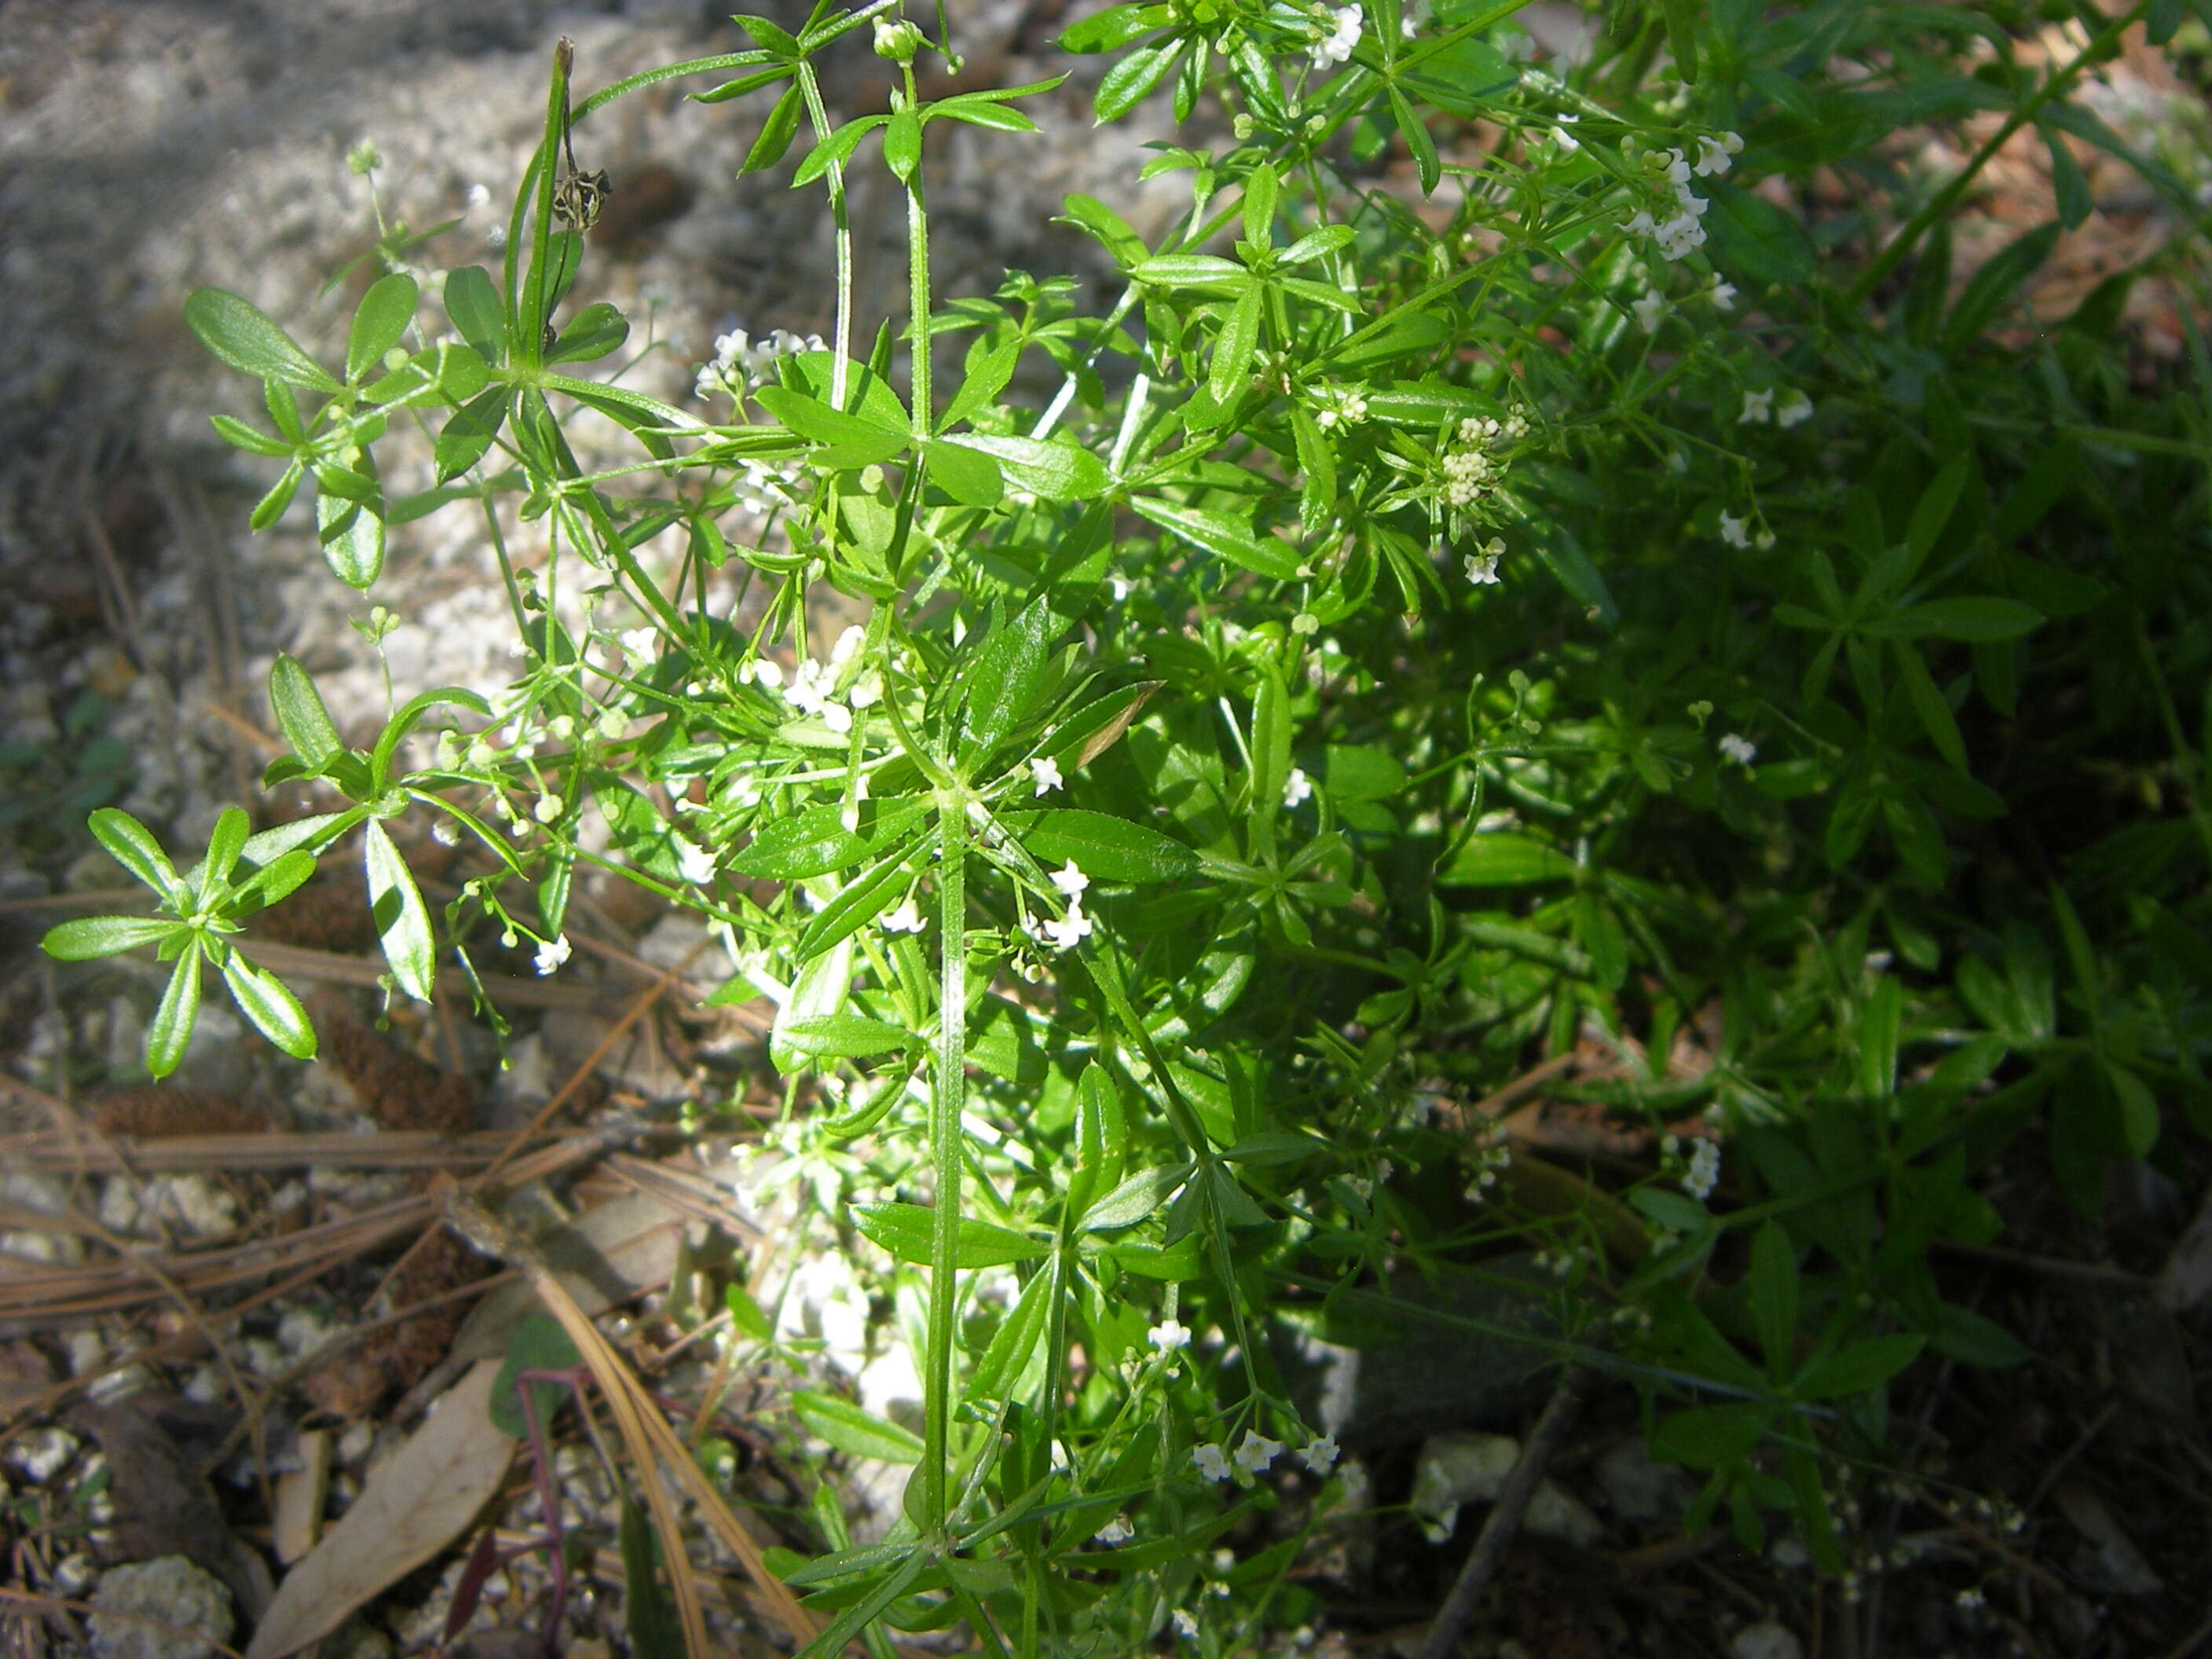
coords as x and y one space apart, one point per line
813 688
1337 47
740 365
1678 236
1468 467
1738 533
1742 751
1064 933
1335 404
1705 1171
1760 407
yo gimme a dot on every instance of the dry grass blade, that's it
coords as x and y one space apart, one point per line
648 1436
69 1154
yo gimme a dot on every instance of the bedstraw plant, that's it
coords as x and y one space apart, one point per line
1510 568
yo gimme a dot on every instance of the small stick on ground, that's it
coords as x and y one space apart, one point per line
1497 1531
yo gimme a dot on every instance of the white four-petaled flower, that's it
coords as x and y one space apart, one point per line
1071 881
1793 409
1116 1531
1320 1455
551 955
1338 45
696 865
1068 931
1757 407
1650 309
1296 787
1044 772
1740 749
1735 532
1714 153
1211 1462
904 917
1482 568
1256 1451
1168 1335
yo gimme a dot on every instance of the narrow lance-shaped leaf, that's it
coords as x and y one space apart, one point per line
131 844
172 1029
403 921
269 1003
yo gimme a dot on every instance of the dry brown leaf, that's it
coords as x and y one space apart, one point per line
415 1502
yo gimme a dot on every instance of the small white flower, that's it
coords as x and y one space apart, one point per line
1677 167
1757 407
479 195
1210 1460
613 723
1168 1335
1722 294
1296 787
1640 224
905 917
550 956
1256 1451
1320 1455
696 865
1116 1531
1650 309
1338 46
1794 408
639 644
547 810
1071 881
1705 1171
767 673
1044 773
1713 154
1482 568
1070 930
837 717
1735 532
1362 1185
1742 751
1566 142
1186 1626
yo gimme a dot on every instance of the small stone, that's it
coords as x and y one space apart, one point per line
1635 1488
1765 1640
164 1609
38 1454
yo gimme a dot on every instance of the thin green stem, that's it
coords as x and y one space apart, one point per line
1940 204
947 1102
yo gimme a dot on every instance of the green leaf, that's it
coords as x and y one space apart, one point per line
1233 348
1105 848
1774 1296
1000 1366
2069 184
238 334
238 435
403 920
1003 679
1709 1437
1222 536
352 534
597 330
2138 1109
379 321
104 936
1113 28
774 140
300 716
539 1343
225 843
469 432
172 1029
1936 717
132 845
1933 511
1988 288
479 318
649 1614
269 1003
1504 859
1136 1199
1752 239
1057 470
1357 773
1135 78
840 1037
906 1231
845 440
1974 618
854 1432
815 842
861 900
1420 143
745 1313
1683 37
1862 1366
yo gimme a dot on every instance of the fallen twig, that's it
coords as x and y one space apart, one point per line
1504 1521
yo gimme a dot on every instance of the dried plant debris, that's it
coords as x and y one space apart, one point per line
398 1090
156 1112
